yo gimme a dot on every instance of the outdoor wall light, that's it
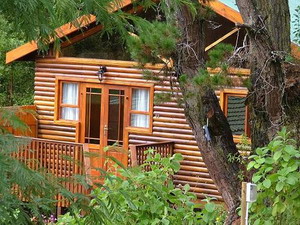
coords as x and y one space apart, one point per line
101 72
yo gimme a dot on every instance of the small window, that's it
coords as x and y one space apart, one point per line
233 105
69 105
140 108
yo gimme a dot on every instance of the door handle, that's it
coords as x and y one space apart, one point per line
105 130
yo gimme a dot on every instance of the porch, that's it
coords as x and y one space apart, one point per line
66 159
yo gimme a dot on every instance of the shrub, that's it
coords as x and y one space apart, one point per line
146 197
278 181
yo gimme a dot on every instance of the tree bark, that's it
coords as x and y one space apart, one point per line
201 105
268 27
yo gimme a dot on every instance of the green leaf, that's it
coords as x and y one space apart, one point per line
267 183
274 210
260 161
210 207
268 222
269 160
275 144
175 166
279 186
277 155
256 222
250 165
256 178
294 167
290 149
291 179
165 221
268 169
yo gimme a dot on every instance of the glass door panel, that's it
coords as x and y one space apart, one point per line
93 115
115 117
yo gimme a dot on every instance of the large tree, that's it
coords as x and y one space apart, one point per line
267 26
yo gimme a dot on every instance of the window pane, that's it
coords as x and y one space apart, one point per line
115 119
96 90
116 92
68 113
140 100
236 112
139 120
70 94
93 117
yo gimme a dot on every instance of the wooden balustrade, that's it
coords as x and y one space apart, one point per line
62 159
138 156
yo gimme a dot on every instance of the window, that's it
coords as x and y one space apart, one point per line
69 101
140 108
233 105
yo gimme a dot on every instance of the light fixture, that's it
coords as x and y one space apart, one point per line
101 72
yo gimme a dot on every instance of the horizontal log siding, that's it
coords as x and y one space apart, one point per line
169 122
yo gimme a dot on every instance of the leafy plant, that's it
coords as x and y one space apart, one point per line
296 22
278 181
146 197
26 196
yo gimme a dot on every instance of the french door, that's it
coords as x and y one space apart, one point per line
103 121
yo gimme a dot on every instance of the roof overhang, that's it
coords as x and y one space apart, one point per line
69 28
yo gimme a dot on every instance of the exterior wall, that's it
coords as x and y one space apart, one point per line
169 123
27 115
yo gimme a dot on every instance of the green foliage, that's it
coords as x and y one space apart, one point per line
278 180
146 197
149 75
9 118
155 40
183 78
25 193
16 80
296 22
217 56
162 97
247 83
205 79
38 189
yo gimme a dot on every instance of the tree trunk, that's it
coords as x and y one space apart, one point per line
201 105
268 27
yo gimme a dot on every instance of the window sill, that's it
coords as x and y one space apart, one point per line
66 122
139 130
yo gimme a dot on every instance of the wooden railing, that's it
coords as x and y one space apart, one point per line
138 156
62 159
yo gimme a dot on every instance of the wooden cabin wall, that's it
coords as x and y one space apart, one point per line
169 123
25 113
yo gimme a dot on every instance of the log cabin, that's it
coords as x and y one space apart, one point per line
91 95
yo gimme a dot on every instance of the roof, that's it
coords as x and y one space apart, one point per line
67 29
292 5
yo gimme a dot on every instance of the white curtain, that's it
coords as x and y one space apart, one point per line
70 97
140 102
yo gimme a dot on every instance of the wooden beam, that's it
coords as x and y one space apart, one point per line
225 11
221 39
81 36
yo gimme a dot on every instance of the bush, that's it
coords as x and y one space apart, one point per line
26 195
140 197
278 181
